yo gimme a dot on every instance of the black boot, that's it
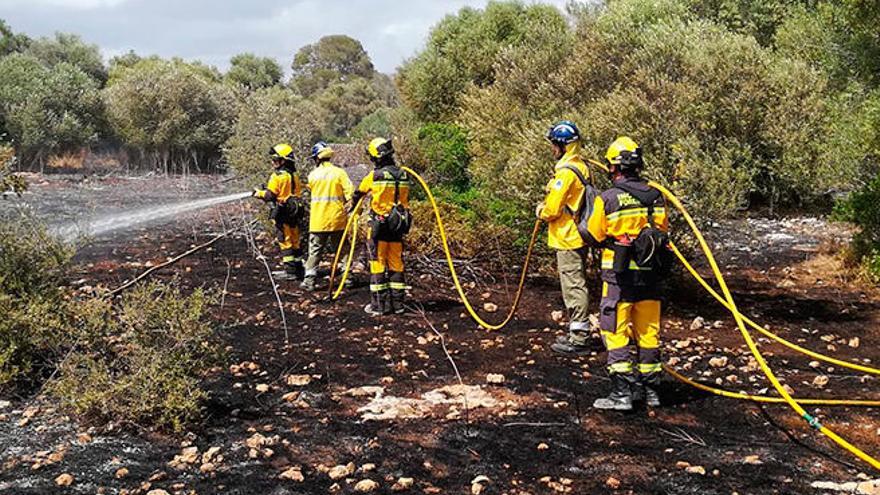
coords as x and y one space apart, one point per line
620 398
650 384
295 270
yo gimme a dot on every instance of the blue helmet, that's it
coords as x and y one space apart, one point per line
321 151
563 133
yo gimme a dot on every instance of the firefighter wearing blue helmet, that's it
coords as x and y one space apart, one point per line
564 194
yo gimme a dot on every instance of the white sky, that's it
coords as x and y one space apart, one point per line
215 30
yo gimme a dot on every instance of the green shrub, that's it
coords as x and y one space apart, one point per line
446 156
146 364
34 308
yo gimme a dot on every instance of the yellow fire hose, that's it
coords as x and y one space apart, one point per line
812 421
458 287
727 300
772 400
353 218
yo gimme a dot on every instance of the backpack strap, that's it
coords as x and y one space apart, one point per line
581 178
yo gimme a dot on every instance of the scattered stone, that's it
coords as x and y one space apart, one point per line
5 404
718 362
479 483
403 484
696 470
262 387
367 391
853 342
340 471
121 473
293 474
366 468
698 323
64 480
490 307
612 483
366 486
299 380
208 467
495 378
157 491
543 446
820 381
210 455
557 316
753 460
815 364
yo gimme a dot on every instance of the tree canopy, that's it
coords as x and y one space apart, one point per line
332 59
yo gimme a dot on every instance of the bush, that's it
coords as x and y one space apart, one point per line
178 114
34 323
444 149
268 117
862 208
48 110
146 365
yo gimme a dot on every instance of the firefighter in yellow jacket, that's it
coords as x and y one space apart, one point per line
629 313
330 189
565 192
283 192
388 186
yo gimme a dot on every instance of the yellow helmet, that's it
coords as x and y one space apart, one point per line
379 148
625 153
283 151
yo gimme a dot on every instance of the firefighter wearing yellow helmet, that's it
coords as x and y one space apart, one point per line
629 222
388 187
563 201
284 192
330 189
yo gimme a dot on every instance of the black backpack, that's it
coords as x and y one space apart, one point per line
650 249
582 215
397 223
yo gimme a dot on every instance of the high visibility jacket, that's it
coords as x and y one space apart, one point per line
564 194
282 184
380 184
330 188
619 217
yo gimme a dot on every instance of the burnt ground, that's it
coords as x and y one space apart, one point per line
530 431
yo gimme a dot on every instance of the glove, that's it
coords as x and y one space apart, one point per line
255 193
538 210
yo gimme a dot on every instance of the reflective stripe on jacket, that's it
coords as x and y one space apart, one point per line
564 193
380 185
618 216
330 188
282 185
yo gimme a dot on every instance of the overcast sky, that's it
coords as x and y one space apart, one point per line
215 30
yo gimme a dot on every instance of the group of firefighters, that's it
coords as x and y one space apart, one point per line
579 218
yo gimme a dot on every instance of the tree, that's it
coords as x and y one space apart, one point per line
253 72
175 113
347 103
267 117
71 49
333 59
48 110
11 42
464 49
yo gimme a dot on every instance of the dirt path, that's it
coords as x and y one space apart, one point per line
528 431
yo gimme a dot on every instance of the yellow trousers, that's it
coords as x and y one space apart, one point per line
630 330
